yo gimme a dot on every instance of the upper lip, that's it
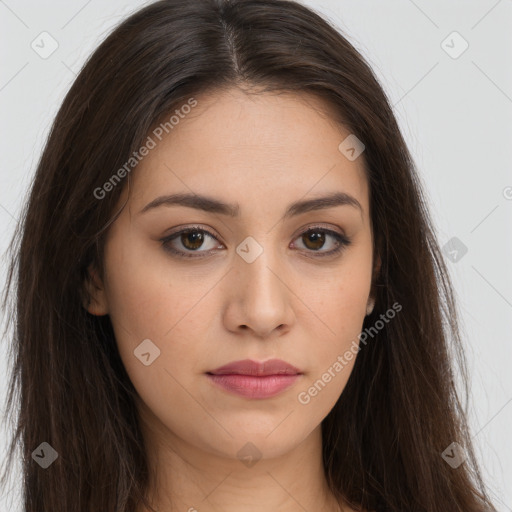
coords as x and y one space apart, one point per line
249 367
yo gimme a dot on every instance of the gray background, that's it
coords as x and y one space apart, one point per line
455 112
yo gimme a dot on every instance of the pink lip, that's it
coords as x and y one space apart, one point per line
253 379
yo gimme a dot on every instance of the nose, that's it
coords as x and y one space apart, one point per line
260 298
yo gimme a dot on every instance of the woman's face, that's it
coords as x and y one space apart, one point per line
252 285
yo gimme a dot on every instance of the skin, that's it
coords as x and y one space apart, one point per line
263 152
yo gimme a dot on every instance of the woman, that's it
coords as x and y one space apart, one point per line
228 291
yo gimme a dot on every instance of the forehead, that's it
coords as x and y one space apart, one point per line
242 146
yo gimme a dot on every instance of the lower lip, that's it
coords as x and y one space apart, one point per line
251 386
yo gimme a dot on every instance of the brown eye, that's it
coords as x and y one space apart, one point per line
190 242
192 239
317 238
314 240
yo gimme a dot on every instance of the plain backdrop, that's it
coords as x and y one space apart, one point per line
446 67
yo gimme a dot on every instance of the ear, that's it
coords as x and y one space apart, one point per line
95 301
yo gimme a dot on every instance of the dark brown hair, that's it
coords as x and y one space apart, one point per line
383 440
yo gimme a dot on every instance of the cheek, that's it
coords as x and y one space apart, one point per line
340 304
141 301
146 295
148 299
334 355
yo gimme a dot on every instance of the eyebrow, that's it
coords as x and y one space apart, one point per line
211 205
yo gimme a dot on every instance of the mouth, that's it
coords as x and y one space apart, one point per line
253 379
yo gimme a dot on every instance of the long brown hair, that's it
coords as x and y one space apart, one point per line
383 440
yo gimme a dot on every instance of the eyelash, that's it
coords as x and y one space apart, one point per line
343 242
